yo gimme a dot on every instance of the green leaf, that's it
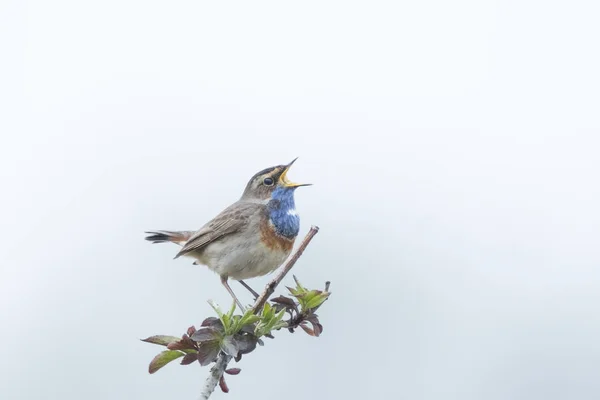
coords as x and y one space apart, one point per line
215 307
162 340
298 285
249 318
226 323
317 300
296 292
231 310
266 310
225 318
270 322
278 325
277 322
163 359
240 322
279 315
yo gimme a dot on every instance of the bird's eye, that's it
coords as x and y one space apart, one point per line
268 181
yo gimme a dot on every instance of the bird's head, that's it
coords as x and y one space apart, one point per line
262 185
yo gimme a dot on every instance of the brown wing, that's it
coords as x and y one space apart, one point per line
229 221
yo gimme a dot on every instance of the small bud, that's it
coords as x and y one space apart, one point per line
223 385
233 371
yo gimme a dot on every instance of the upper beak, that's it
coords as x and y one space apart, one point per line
284 180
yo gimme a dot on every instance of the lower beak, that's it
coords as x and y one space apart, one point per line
287 183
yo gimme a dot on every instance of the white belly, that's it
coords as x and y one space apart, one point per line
240 259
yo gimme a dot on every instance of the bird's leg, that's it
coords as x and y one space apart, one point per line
224 282
244 284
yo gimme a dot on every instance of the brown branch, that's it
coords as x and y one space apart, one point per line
216 372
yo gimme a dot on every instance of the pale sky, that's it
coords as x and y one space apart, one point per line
453 148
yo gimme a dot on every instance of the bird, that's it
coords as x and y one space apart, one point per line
250 238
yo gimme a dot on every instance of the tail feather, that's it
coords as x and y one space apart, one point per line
177 237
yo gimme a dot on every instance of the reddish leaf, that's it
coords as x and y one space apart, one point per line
185 339
204 334
163 340
233 371
318 328
223 385
208 351
191 330
212 322
314 318
176 346
246 343
189 358
239 344
286 301
209 321
307 329
184 344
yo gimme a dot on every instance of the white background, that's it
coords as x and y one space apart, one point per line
453 148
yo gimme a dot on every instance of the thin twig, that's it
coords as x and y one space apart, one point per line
217 371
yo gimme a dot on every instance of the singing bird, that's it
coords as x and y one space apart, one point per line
251 237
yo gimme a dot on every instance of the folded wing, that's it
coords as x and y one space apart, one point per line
231 220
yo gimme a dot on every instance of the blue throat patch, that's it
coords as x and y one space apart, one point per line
282 212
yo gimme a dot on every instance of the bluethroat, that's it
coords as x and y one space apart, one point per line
251 237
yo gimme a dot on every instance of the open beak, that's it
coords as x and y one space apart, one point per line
283 180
